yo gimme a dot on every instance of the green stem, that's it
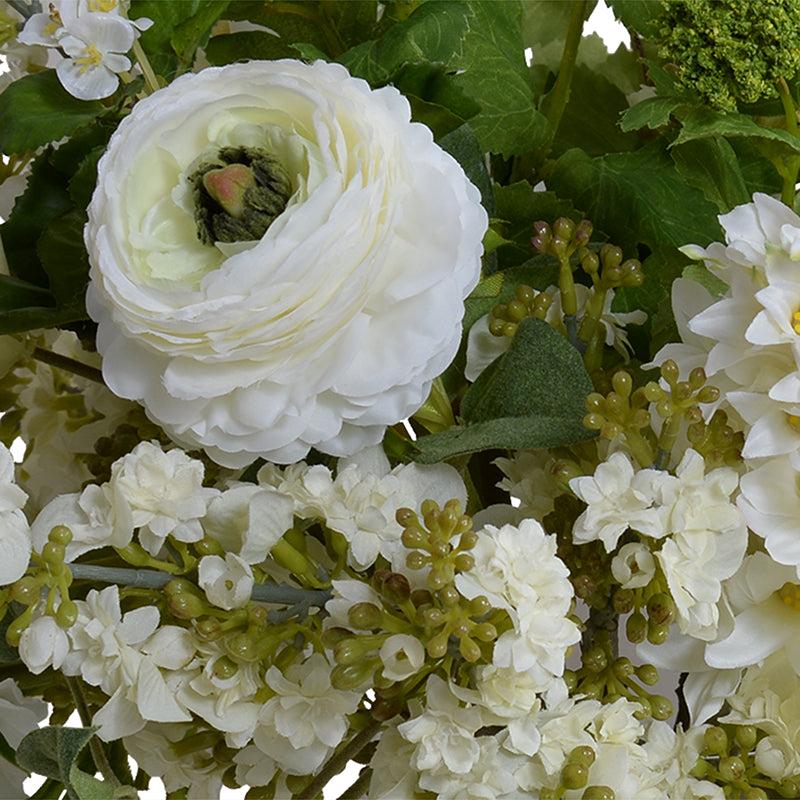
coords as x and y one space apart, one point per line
149 75
68 364
155 579
559 96
339 760
96 748
357 790
793 163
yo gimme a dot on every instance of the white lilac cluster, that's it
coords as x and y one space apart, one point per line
689 526
93 36
438 750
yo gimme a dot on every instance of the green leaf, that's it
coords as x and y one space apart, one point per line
45 198
51 751
168 43
83 182
87 787
638 15
637 197
463 145
15 293
544 28
249 45
654 112
32 318
63 255
700 274
193 32
703 123
480 43
711 165
590 119
36 110
9 656
531 397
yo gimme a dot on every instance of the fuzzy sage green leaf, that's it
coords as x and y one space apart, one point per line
531 397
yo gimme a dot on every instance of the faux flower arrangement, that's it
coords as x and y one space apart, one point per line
389 399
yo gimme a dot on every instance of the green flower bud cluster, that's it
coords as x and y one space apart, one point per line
716 441
622 414
652 611
606 677
527 302
47 577
727 758
609 270
442 540
575 776
562 239
731 51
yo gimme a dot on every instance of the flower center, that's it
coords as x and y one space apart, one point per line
102 5
91 58
794 421
239 194
789 594
796 321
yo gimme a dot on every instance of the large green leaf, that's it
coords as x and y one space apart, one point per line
637 197
703 123
63 255
480 44
463 145
36 110
31 318
638 15
531 397
711 165
248 46
51 751
178 28
15 293
650 113
544 28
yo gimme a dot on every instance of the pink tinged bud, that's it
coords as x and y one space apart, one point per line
228 185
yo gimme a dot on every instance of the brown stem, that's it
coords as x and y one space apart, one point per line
68 364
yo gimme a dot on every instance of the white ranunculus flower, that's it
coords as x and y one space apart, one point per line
314 323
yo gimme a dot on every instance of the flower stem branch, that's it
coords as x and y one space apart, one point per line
155 579
792 166
559 96
149 75
339 761
95 745
358 789
68 364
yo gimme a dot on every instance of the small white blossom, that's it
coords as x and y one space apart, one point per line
107 650
43 644
15 536
444 733
248 520
619 497
165 492
306 718
633 566
402 656
228 582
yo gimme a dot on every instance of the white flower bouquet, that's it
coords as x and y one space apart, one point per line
383 415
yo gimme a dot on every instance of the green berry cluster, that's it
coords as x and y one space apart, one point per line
654 599
48 576
731 51
716 441
608 269
562 239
